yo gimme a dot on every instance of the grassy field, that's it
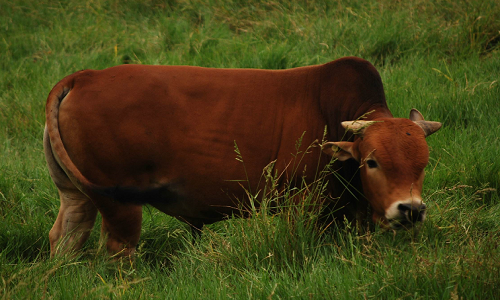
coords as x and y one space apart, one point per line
441 57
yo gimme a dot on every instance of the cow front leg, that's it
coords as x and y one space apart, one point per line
121 225
196 231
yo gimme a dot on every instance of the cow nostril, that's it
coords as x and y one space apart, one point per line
404 207
412 213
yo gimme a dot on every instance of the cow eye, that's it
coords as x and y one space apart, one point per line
371 163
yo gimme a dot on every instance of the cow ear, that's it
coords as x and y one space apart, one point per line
415 115
340 150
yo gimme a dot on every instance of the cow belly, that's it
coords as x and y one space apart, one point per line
198 165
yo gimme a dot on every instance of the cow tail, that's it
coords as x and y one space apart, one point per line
56 96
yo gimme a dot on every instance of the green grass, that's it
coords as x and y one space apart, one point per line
441 57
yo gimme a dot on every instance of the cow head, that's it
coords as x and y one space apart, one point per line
392 153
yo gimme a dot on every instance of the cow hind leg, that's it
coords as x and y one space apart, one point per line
74 222
121 226
77 213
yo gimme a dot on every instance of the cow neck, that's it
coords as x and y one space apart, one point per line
349 88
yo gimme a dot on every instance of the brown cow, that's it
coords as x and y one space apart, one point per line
135 134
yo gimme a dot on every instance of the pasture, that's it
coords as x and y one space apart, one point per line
441 57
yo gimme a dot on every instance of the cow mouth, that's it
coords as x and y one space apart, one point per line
400 224
405 214
407 220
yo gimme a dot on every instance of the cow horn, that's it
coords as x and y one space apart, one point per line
358 127
428 127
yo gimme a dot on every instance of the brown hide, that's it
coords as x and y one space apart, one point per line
144 126
174 128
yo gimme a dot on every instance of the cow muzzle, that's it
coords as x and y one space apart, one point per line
406 214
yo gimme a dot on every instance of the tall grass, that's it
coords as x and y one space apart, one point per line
441 57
